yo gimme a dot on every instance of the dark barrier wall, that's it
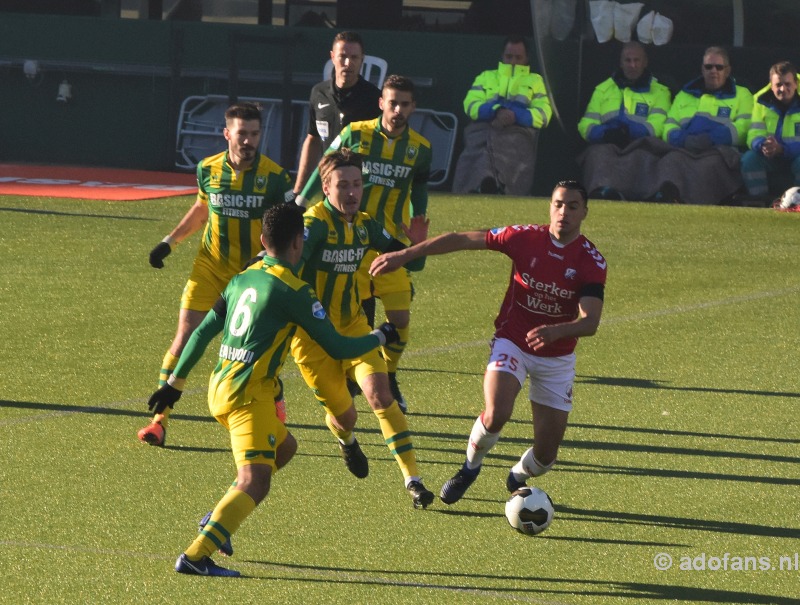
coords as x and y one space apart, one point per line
125 101
129 77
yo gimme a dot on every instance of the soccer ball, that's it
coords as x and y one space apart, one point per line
529 510
790 198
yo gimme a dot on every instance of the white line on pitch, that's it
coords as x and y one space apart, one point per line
291 372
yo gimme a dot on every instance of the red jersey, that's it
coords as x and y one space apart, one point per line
547 281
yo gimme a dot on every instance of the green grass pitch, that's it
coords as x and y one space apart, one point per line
684 441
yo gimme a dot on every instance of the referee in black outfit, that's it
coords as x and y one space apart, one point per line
334 103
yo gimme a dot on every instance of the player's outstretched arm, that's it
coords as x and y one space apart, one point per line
346 347
305 310
441 244
192 221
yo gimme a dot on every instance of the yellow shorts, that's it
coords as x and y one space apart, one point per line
255 432
394 289
326 376
206 282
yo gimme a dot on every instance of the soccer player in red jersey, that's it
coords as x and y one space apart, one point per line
555 296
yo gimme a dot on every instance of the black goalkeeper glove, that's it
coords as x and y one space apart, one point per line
387 333
163 398
158 254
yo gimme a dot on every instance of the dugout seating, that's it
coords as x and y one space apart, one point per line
202 119
200 124
440 128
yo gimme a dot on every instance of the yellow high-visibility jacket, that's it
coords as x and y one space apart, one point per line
514 87
724 115
641 107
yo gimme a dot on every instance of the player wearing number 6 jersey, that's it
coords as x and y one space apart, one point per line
555 296
258 313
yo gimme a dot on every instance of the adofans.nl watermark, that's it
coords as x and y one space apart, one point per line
727 562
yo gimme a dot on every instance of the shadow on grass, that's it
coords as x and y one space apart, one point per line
675 433
580 444
568 513
489 585
459 441
77 214
631 383
504 461
470 419
89 409
625 518
643 383
456 512
579 467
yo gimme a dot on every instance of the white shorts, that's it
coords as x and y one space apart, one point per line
551 377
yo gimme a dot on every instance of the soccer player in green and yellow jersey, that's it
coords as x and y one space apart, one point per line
257 313
235 187
397 167
338 236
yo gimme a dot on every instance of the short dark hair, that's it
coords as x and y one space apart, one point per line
402 83
782 68
349 37
281 224
338 159
517 39
571 185
243 111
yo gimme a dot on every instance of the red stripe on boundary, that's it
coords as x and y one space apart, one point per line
93 183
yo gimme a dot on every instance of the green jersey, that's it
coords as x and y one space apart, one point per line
258 313
236 203
332 254
396 172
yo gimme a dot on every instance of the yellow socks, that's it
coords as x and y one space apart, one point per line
398 438
228 515
169 363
